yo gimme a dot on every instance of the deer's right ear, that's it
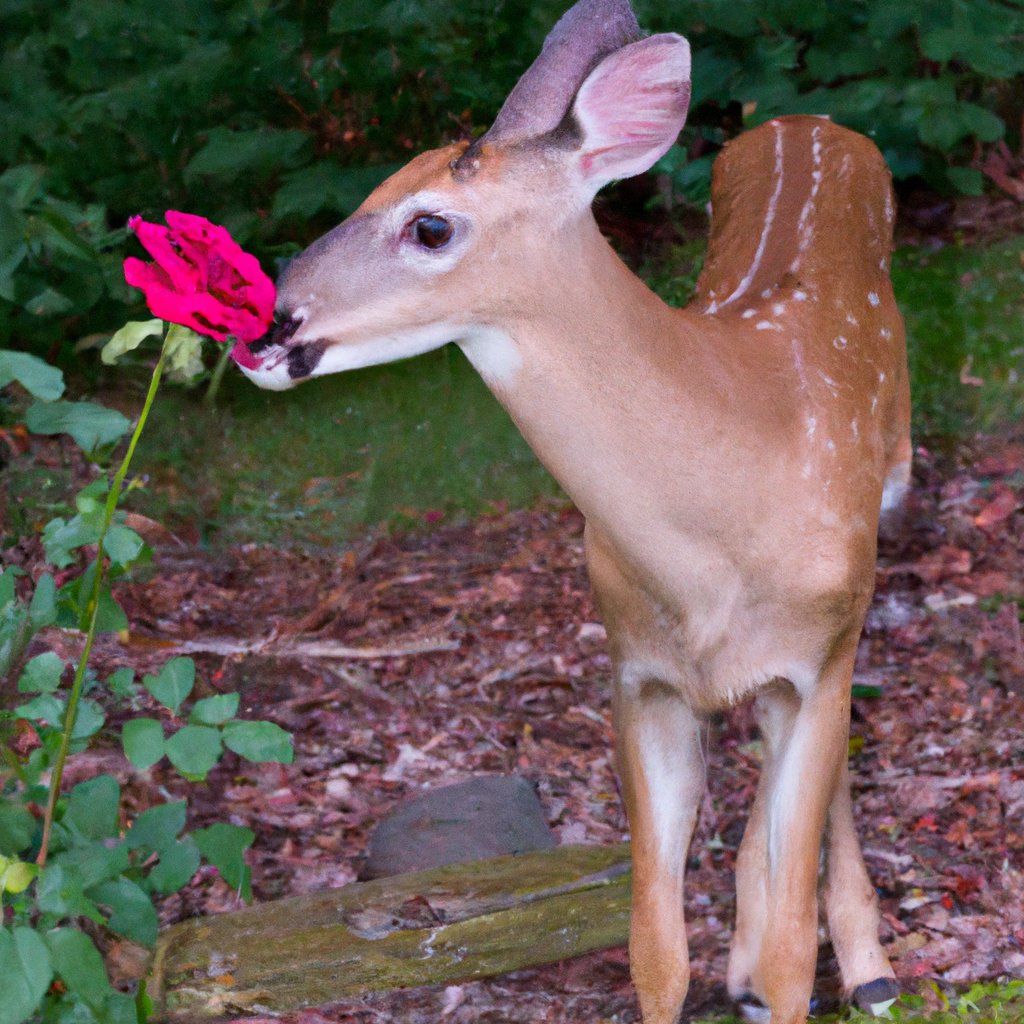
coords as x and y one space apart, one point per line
631 108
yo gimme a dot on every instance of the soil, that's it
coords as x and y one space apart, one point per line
936 749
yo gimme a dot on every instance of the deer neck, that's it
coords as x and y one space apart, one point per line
581 366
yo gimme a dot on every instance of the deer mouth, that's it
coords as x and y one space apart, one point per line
281 361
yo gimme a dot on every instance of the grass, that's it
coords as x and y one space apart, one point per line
423 441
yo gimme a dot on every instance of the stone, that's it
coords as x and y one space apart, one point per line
490 816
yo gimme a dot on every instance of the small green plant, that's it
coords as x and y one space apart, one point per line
67 864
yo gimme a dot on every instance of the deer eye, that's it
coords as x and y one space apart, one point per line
432 232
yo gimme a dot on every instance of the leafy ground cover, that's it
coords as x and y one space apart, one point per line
936 752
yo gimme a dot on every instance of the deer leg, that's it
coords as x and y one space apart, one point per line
775 709
808 772
662 770
852 909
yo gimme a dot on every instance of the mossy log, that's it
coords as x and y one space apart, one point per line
457 922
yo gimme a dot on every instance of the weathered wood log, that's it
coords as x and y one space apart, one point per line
457 922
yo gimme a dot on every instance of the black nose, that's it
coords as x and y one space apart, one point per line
281 330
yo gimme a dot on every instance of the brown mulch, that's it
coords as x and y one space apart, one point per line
937 758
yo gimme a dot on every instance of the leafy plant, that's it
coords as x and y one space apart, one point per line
78 864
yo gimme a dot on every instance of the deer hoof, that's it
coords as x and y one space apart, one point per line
753 1010
875 997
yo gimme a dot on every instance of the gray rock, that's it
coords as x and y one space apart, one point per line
473 820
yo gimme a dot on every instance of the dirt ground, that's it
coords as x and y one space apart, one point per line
936 749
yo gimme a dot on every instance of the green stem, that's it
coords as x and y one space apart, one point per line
218 374
94 603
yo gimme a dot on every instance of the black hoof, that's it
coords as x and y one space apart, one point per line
875 997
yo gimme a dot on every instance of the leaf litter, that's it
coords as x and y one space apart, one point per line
936 748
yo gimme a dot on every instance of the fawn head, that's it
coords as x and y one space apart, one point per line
452 246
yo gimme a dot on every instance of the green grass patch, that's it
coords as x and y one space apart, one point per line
423 441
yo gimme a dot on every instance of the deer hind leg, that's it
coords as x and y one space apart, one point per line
662 770
805 778
852 909
775 709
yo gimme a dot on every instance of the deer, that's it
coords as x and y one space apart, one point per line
734 460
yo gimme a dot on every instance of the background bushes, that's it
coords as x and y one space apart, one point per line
276 119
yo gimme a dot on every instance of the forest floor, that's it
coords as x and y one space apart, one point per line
520 684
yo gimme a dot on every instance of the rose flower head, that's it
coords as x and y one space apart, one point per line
203 279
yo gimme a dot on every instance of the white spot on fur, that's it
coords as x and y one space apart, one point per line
767 293
769 219
779 308
873 298
840 342
767 325
798 362
885 333
881 378
851 319
874 403
812 426
853 427
748 313
800 296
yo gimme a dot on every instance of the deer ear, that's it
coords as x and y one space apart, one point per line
631 108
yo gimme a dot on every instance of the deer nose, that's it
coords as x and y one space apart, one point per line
281 331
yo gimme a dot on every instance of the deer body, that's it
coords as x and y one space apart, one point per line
731 459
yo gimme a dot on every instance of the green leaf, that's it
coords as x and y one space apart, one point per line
8 595
353 15
25 973
223 845
228 153
61 537
214 710
59 891
174 683
49 302
92 808
93 862
259 741
158 828
110 616
130 337
122 682
79 964
17 828
42 674
194 750
16 875
122 544
143 742
43 610
326 186
44 708
89 424
132 913
37 377
178 863
89 719
184 349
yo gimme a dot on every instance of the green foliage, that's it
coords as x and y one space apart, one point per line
93 869
277 119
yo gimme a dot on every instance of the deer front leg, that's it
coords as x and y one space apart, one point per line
810 769
662 770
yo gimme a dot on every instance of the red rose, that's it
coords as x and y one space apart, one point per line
204 280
